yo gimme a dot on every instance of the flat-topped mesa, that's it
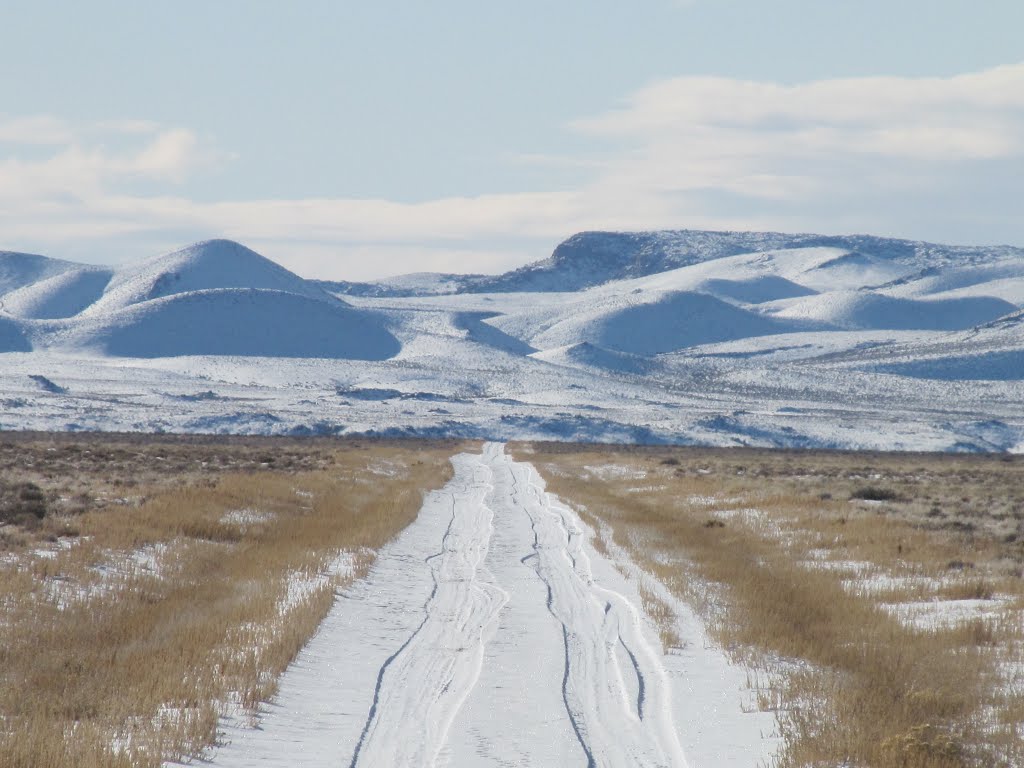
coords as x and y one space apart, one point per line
593 258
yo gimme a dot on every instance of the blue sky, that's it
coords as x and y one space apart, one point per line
355 140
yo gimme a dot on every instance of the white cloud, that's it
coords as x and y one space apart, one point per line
929 157
84 168
171 155
34 130
851 106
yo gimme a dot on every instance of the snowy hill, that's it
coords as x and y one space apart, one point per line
668 322
853 310
592 258
236 321
208 265
588 259
20 269
718 338
212 298
63 295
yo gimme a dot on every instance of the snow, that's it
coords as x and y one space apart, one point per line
672 321
615 472
490 632
18 270
755 290
12 337
585 354
237 321
942 614
851 310
245 519
755 339
63 295
429 677
207 265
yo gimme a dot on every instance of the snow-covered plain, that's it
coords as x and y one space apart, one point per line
491 633
686 337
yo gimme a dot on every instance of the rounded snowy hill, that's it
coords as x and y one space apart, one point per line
18 270
216 297
237 321
665 322
207 265
63 295
852 310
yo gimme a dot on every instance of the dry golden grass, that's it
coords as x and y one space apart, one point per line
795 573
122 645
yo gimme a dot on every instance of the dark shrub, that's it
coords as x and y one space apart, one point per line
21 503
875 493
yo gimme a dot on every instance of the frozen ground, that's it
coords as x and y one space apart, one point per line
686 337
491 633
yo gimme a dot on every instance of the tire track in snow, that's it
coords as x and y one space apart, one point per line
422 686
616 727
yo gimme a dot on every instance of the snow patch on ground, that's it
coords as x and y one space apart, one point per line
246 518
943 614
615 472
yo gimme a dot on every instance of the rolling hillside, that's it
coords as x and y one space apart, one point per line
719 338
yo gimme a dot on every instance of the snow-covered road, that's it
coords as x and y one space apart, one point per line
481 637
422 687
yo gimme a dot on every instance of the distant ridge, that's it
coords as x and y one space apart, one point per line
718 338
593 258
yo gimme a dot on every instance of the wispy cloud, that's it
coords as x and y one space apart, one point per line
701 132
34 130
929 157
82 165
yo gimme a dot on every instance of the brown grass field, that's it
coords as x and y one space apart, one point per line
147 583
821 570
150 583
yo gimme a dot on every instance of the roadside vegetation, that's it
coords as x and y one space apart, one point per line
150 585
879 597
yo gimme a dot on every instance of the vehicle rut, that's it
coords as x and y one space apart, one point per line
421 687
614 689
616 729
